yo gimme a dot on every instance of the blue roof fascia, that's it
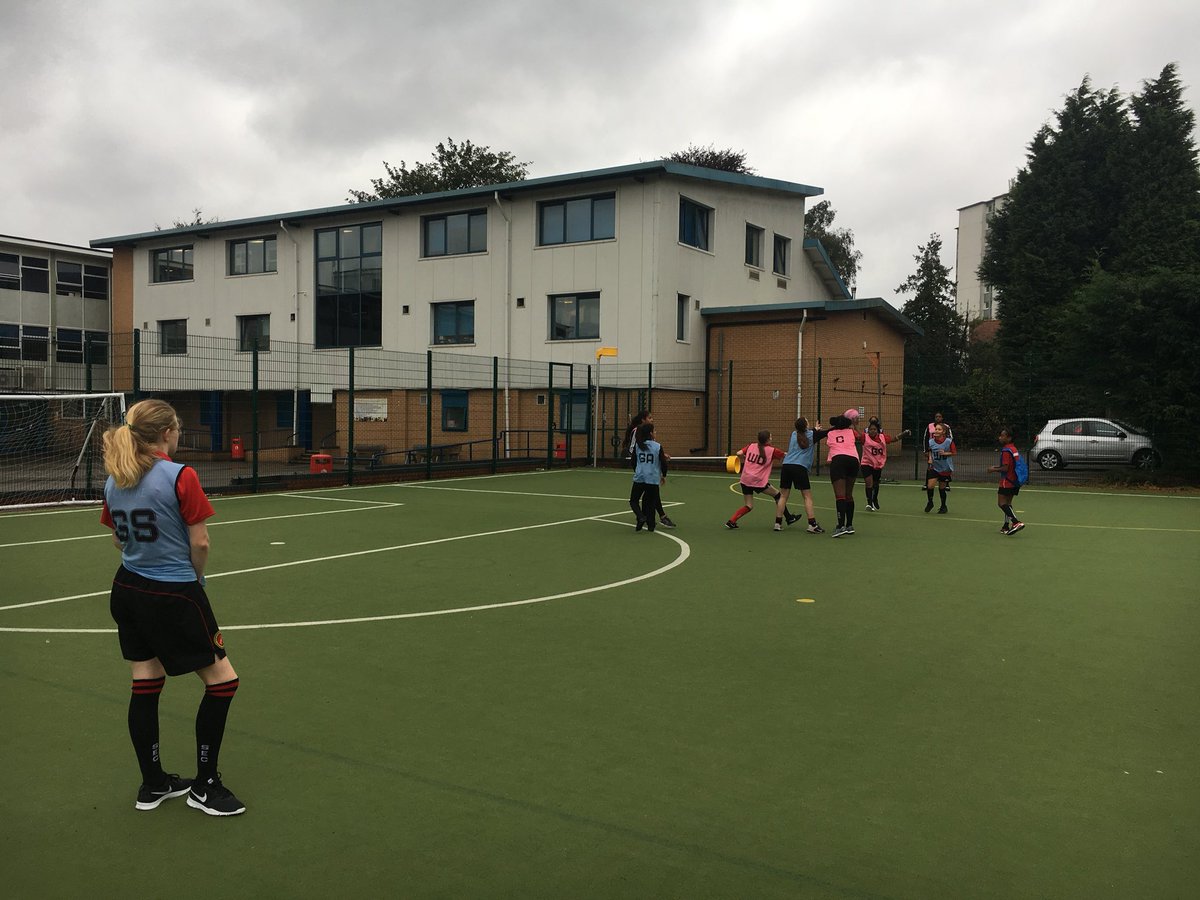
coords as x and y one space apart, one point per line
815 244
901 321
530 184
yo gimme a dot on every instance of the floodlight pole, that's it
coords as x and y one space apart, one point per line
600 353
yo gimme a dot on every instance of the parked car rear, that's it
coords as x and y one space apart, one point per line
1093 441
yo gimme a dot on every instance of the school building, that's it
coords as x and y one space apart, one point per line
683 270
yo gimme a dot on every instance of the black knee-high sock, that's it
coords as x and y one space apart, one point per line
1009 515
929 493
143 727
841 512
850 511
210 726
637 510
942 494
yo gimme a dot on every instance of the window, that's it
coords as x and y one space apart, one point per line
457 233
754 245
580 219
575 317
171 264
10 341
782 257
172 337
254 333
70 346
349 300
95 347
35 343
454 410
682 301
573 412
454 323
68 281
95 282
10 271
253 256
695 222
35 274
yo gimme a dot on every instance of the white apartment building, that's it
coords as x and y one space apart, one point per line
54 308
546 269
974 299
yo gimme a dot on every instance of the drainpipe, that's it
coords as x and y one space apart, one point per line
296 379
800 366
507 316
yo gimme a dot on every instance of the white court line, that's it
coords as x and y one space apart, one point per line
375 504
684 553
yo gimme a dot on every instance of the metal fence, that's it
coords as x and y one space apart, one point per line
258 416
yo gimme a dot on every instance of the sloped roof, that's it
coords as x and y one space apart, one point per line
397 204
885 310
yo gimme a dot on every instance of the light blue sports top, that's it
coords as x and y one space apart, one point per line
941 463
797 457
649 467
154 537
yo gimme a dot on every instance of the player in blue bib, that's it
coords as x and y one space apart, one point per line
649 472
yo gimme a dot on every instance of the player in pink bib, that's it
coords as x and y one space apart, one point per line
757 460
842 440
874 458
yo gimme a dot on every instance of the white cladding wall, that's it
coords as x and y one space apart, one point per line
639 274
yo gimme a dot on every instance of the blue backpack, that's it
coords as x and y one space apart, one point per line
1021 469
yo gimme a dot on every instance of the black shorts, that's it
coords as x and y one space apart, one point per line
171 620
871 472
943 477
747 490
794 475
843 466
1009 491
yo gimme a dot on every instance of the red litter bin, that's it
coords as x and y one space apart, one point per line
560 450
236 450
319 463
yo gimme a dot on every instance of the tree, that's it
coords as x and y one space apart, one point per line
197 219
711 158
838 242
942 350
454 166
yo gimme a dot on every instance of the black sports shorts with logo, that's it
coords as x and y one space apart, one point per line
168 619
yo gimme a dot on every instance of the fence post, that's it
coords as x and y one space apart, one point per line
495 412
820 394
592 432
254 441
137 364
918 445
570 413
350 417
729 430
428 415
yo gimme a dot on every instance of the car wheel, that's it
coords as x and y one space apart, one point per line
1050 460
1146 459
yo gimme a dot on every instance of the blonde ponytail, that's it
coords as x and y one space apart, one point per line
131 449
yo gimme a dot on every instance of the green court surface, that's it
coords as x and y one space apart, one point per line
493 687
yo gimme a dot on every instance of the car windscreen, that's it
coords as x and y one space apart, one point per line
1127 427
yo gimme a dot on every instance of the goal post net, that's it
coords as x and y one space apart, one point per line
52 447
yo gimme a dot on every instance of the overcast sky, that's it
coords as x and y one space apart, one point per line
117 115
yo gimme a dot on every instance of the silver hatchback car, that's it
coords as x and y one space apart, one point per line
1093 441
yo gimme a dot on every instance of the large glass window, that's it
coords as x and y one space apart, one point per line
172 337
454 410
35 274
35 343
453 234
95 347
782 256
349 301
95 282
754 245
68 280
575 317
454 323
10 341
253 256
573 411
10 271
254 332
695 224
171 264
576 220
70 345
